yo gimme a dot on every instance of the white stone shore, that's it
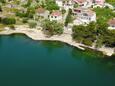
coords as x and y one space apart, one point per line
66 38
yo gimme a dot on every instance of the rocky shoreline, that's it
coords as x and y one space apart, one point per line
36 34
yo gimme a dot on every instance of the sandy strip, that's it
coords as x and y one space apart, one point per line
66 38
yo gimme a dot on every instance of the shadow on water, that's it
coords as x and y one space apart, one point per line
18 35
94 58
1 40
51 46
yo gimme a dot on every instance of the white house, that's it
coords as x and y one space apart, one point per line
98 3
84 15
89 3
111 24
59 3
56 15
66 4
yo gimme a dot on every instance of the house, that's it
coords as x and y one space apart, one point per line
41 12
66 4
84 16
111 24
56 16
89 3
59 3
98 3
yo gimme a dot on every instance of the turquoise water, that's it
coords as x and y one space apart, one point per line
24 62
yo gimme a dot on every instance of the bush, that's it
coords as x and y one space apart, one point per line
8 21
25 20
12 27
32 24
63 11
87 42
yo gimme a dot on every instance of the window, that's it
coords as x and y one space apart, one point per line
84 14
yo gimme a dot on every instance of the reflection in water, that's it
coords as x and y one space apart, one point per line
51 46
94 58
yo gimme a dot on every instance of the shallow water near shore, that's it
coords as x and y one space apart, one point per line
24 62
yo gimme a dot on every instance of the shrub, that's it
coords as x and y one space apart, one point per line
32 24
8 21
25 20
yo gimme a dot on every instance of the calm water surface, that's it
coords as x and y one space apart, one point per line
24 62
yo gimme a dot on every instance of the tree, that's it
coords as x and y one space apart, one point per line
21 14
85 34
2 1
63 11
69 17
78 33
0 8
51 5
102 28
52 27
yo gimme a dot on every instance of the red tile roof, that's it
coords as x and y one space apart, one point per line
79 1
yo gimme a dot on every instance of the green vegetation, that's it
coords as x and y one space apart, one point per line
25 20
12 27
28 14
76 5
32 24
85 34
52 28
92 32
63 11
69 17
0 8
111 2
51 5
107 38
103 14
28 3
2 1
8 21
